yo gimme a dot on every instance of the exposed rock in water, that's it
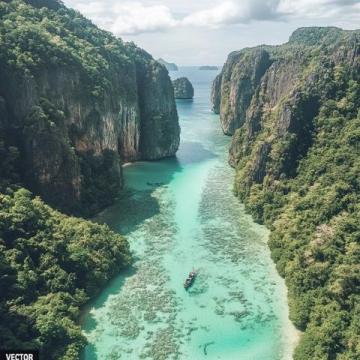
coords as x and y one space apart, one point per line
169 66
75 119
183 88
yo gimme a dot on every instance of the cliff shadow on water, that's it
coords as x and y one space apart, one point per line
136 202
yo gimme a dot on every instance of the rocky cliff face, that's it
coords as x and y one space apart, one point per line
267 97
160 133
293 111
183 88
82 105
235 86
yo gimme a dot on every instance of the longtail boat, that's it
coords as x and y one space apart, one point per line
190 280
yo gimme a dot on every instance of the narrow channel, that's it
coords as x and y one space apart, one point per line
178 215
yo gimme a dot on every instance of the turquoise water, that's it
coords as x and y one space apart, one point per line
180 214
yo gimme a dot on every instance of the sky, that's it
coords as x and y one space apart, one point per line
204 32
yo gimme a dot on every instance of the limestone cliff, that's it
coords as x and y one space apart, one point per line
79 102
183 88
270 95
235 86
293 111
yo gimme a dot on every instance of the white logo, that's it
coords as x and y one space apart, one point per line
19 357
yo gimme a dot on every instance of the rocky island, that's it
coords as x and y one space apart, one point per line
183 88
169 66
293 113
208 67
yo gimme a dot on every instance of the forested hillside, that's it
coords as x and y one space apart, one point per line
50 265
294 114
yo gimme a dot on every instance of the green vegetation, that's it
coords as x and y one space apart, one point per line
32 39
316 238
315 35
50 265
303 183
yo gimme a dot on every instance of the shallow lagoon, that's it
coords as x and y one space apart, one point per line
179 214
